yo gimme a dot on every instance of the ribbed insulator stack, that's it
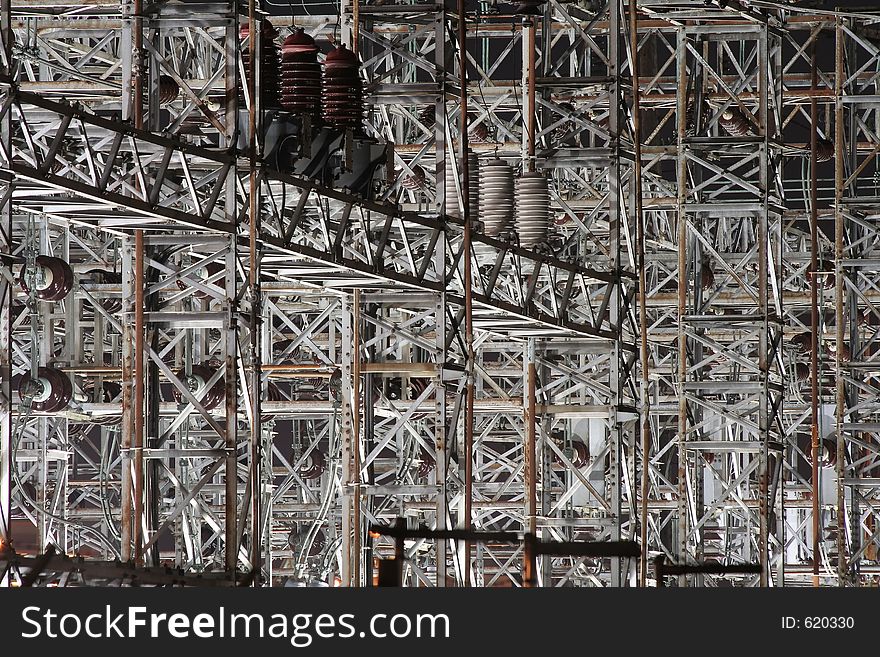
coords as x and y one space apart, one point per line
53 277
477 132
50 392
300 75
453 204
342 103
824 150
169 90
532 209
735 123
427 116
268 84
414 181
496 191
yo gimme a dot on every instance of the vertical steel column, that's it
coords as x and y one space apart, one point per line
814 319
6 247
254 232
644 395
230 469
839 415
348 438
531 463
681 379
764 309
468 291
127 422
616 317
441 429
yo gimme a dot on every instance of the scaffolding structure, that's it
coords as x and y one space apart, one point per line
265 365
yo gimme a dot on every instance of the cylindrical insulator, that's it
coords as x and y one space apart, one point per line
300 75
50 392
802 342
532 209
707 276
54 278
105 277
201 374
824 150
314 466
453 204
342 104
477 132
496 191
169 90
561 131
578 454
427 117
203 274
414 181
296 539
273 394
268 84
418 385
427 463
734 123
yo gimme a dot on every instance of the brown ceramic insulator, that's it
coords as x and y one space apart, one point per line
300 75
51 392
105 277
564 129
273 395
802 372
415 181
342 104
824 150
427 116
802 342
825 276
297 538
845 352
707 276
314 466
477 132
54 278
77 430
268 85
169 90
578 454
418 385
735 123
201 374
426 464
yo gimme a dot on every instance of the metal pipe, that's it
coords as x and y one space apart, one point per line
814 319
356 439
840 412
643 314
254 284
138 419
468 292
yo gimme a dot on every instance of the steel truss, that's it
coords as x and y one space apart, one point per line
265 365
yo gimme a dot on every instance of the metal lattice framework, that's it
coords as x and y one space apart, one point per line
265 364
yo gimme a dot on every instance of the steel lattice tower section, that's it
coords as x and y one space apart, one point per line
263 365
